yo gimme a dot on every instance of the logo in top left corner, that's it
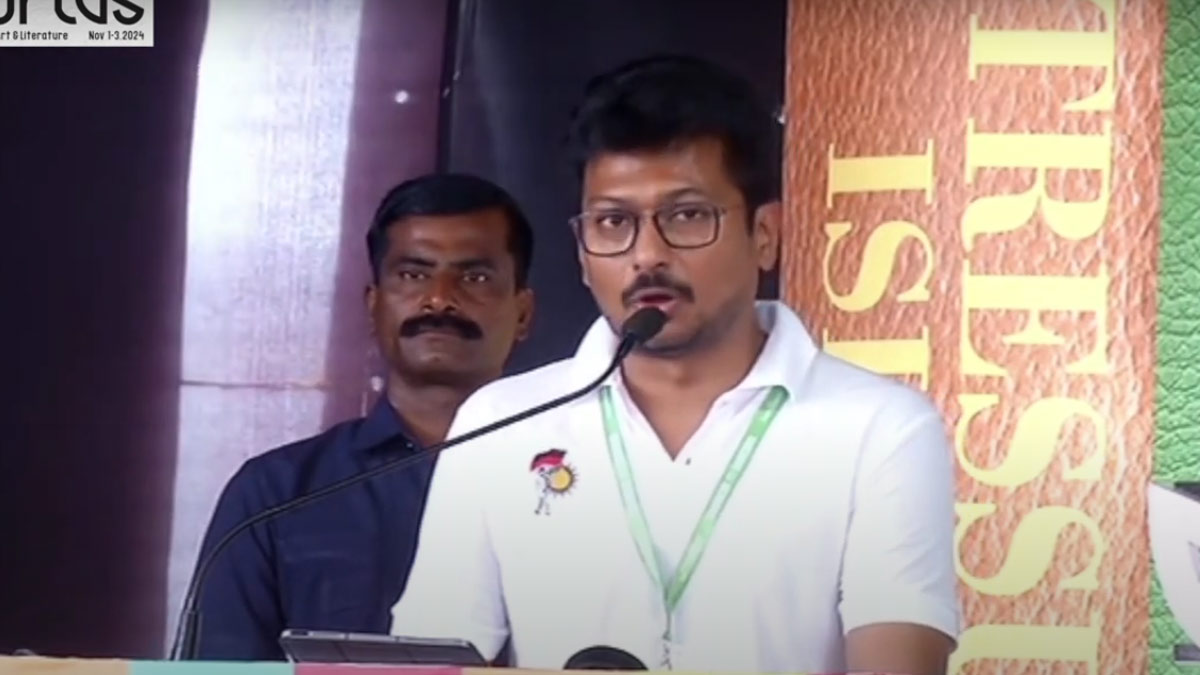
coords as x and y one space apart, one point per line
554 477
76 23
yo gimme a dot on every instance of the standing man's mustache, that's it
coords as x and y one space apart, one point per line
466 328
658 280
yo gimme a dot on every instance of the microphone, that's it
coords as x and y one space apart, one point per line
603 658
643 325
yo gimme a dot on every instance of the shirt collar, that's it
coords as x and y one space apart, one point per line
784 360
381 425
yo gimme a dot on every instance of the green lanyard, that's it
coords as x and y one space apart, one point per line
712 512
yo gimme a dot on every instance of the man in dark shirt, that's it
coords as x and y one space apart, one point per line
448 300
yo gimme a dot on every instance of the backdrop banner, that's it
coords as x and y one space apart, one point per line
973 191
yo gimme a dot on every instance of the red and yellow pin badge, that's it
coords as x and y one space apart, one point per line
555 477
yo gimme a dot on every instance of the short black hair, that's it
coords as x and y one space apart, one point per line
451 194
657 102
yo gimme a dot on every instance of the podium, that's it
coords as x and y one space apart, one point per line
31 665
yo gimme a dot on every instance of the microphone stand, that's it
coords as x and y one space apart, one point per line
642 326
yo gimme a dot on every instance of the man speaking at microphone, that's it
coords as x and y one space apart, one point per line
448 300
732 498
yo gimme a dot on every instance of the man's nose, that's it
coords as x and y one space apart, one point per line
650 251
441 294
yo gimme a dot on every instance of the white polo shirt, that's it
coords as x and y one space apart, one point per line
843 518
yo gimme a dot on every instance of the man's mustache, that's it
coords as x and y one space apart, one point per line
466 328
657 281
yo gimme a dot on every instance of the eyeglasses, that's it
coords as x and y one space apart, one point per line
612 232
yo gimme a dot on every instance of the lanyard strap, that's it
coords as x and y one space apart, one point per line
716 503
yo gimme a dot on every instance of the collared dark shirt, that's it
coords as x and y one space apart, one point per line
337 564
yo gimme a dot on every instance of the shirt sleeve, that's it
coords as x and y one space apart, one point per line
240 616
454 588
898 564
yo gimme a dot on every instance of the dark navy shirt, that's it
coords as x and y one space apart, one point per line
339 563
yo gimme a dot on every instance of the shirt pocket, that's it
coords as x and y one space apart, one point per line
334 581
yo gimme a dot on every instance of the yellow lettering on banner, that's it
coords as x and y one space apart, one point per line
883 173
1032 549
1034 555
896 356
1068 48
1034 440
1029 642
878 263
1035 294
1004 213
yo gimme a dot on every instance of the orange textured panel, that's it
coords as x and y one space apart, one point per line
995 243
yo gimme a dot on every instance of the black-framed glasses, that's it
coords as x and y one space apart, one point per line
612 232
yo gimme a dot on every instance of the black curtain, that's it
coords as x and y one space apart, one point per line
517 70
93 182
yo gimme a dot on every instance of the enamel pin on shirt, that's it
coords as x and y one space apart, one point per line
555 477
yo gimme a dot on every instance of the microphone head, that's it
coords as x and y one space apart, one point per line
604 658
643 325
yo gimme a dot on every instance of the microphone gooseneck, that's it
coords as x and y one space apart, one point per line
643 325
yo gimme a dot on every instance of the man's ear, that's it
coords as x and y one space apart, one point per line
525 307
768 226
370 299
